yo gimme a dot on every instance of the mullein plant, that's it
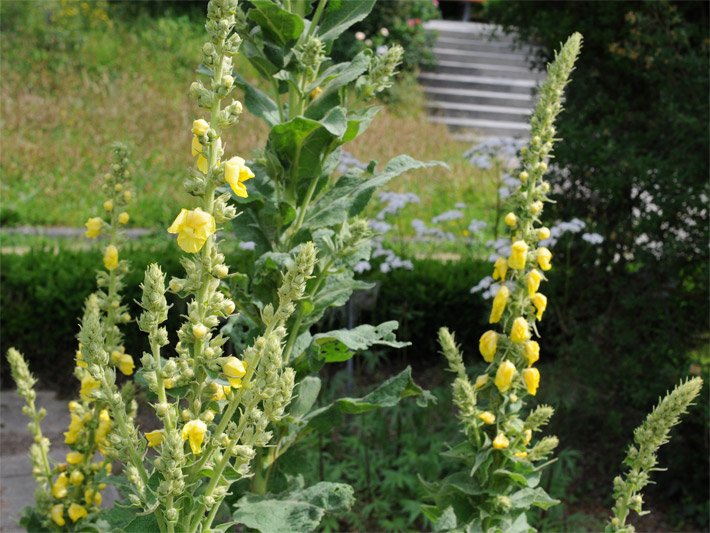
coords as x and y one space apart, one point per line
69 494
214 409
502 455
313 107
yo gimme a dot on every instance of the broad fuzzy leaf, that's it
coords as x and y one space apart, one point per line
349 341
340 15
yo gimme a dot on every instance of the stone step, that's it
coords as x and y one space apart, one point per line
478 111
471 96
469 30
482 83
514 59
485 127
487 70
483 44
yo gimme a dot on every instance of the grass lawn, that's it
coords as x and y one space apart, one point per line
66 99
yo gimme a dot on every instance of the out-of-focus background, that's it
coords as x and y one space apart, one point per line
628 297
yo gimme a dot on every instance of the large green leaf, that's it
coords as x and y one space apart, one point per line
341 344
298 509
277 24
526 498
259 103
302 142
387 394
351 193
340 15
335 292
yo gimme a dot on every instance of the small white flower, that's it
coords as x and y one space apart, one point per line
384 32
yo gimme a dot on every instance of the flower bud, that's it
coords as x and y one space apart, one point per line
481 381
123 218
199 331
487 417
531 377
220 271
543 233
200 127
488 345
536 207
499 303
510 220
531 351
501 442
524 176
108 206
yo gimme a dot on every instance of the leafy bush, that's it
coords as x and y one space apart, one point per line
634 166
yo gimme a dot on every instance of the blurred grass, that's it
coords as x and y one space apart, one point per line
66 95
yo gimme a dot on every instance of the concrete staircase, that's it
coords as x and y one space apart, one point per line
482 85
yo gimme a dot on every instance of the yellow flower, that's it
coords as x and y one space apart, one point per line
487 417
74 430
127 195
80 360
126 364
58 514
504 376
123 218
74 458
194 431
169 383
77 512
499 303
154 438
88 386
533 279
520 331
236 173
539 300
501 442
518 255
543 233
527 437
235 370
199 331
531 350
105 426
531 377
93 227
196 146
315 93
200 127
98 499
536 207
487 345
544 256
500 269
524 176
510 220
521 455
108 205
481 381
217 392
76 477
59 487
193 228
111 257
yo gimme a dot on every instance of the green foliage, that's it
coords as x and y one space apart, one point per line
298 509
634 166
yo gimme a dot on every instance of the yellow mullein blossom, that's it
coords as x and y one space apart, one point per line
76 477
544 256
154 438
199 331
105 425
200 127
80 359
57 514
532 280
193 228
127 195
74 458
236 173
108 206
235 370
123 218
194 431
74 430
510 220
126 364
524 176
504 375
501 442
93 227
518 255
531 350
111 257
543 233
88 386
520 331
217 392
499 303
77 512
536 207
539 300
315 93
487 417
59 487
531 377
500 269
487 345
481 381
521 455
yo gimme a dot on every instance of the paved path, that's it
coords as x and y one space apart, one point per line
16 481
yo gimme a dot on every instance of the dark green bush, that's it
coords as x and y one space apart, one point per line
634 166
